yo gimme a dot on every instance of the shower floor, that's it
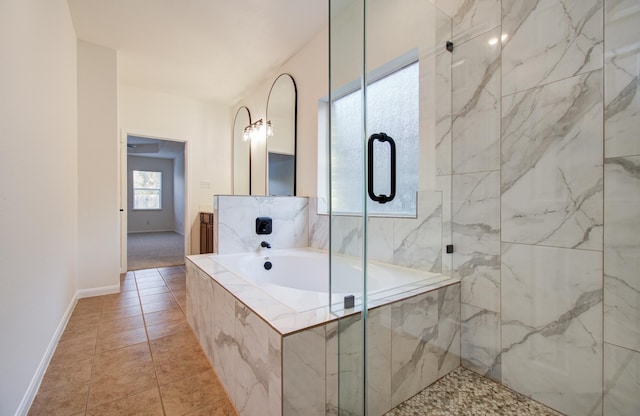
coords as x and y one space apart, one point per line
465 393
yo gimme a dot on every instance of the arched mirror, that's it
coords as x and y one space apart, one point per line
281 136
241 153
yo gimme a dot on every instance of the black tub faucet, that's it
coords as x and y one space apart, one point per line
265 244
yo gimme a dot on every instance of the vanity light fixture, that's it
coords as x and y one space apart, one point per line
256 130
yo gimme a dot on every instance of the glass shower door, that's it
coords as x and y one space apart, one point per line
382 152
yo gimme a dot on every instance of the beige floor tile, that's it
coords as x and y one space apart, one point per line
179 366
65 353
120 384
159 297
177 286
167 328
149 279
83 320
154 290
167 315
71 371
220 408
122 339
150 284
193 393
121 295
128 286
120 359
67 400
159 306
120 313
146 403
181 297
120 302
89 305
146 272
109 328
171 269
175 278
77 333
174 344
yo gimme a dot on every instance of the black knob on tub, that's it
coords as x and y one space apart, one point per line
268 265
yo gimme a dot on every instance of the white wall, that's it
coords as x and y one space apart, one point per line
38 189
151 220
178 194
309 68
98 210
204 126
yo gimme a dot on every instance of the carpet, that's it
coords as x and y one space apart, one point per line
151 250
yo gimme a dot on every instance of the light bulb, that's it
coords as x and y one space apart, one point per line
269 129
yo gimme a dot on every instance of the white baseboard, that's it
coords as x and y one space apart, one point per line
168 230
98 291
27 400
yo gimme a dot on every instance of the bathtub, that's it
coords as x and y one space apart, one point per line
279 347
299 278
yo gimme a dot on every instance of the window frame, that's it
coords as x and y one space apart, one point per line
134 189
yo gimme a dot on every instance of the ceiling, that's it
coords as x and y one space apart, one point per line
147 147
212 50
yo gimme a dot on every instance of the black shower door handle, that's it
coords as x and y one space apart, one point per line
382 198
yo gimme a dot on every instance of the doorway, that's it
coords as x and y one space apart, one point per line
154 185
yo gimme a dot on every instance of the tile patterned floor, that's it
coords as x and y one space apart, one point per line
464 393
132 353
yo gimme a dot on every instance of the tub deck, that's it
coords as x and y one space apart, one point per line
289 309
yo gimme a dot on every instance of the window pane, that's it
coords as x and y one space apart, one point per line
392 108
146 199
146 179
147 189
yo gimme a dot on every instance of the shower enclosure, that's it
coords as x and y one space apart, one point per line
491 141
390 159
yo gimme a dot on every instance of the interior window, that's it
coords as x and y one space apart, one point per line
147 190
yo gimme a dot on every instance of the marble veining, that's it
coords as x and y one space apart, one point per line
473 17
549 40
476 232
622 243
480 338
622 78
552 178
552 326
443 113
476 104
621 381
236 222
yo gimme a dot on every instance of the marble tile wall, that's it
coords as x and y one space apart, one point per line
528 190
409 242
411 344
244 350
551 202
552 326
475 181
621 208
236 222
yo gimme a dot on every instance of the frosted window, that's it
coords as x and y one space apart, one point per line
392 108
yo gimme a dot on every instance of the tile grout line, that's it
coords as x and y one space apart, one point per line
146 331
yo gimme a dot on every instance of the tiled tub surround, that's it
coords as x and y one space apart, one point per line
236 222
276 361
